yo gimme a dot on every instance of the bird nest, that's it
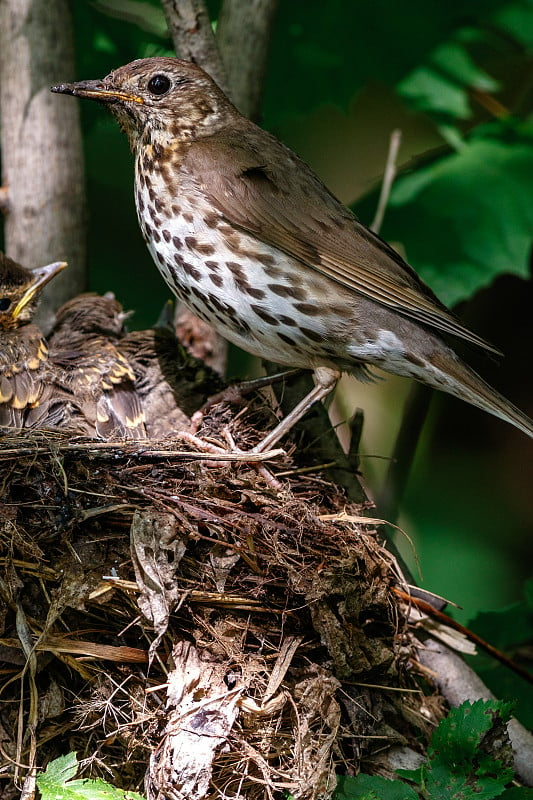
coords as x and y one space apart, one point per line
191 627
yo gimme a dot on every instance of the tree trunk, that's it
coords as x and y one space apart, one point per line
42 157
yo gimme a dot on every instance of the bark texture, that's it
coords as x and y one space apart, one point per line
243 36
42 157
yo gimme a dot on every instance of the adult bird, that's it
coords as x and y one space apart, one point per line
248 237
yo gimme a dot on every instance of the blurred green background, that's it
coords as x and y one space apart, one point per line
456 78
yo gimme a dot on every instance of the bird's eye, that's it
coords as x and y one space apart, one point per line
5 302
159 84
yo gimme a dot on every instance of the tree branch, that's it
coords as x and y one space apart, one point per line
243 35
193 38
457 682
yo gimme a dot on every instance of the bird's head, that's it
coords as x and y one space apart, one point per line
20 289
93 314
157 100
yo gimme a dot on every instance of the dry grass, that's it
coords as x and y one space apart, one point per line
166 617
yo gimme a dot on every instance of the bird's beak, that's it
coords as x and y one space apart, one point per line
96 90
41 277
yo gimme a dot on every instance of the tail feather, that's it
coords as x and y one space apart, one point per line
451 375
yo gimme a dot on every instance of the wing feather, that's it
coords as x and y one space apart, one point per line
285 205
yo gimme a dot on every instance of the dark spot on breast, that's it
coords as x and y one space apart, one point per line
273 271
148 229
151 194
287 291
196 291
258 294
155 235
285 338
188 268
287 320
241 326
214 266
200 247
264 315
205 249
140 202
216 279
236 270
166 235
211 220
188 217
160 257
265 259
308 309
159 205
313 335
176 241
232 242
176 209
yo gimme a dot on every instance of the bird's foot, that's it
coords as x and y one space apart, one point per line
244 456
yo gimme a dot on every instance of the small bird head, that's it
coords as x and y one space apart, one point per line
91 313
157 100
20 289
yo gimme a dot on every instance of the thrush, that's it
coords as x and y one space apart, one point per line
90 368
250 239
25 387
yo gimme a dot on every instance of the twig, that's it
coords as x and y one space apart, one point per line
388 179
435 613
139 450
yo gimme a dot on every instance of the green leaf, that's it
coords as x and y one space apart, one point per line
461 757
324 53
57 783
517 793
60 770
517 20
441 86
372 787
507 629
467 217
430 92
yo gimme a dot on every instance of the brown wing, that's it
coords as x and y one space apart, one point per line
23 356
100 381
270 193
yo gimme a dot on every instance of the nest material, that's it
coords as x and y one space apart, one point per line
192 626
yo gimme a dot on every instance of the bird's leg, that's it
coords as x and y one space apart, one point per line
325 381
